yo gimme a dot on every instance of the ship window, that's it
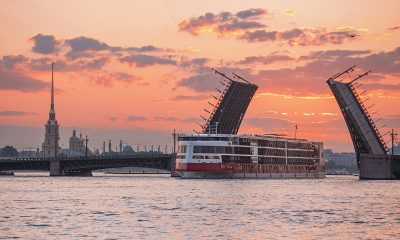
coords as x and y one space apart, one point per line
235 141
228 150
212 149
244 141
226 159
208 149
197 149
182 148
219 149
242 150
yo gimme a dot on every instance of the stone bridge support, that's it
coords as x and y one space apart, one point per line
55 167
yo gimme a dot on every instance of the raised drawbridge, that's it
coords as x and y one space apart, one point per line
228 111
371 150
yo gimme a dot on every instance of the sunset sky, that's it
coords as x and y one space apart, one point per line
136 70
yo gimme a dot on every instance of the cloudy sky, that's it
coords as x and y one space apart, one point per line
136 70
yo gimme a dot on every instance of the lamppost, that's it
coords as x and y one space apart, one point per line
121 148
86 150
174 136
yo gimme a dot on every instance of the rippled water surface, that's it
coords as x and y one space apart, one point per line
160 207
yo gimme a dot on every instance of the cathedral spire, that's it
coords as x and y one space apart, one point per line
52 87
52 114
50 145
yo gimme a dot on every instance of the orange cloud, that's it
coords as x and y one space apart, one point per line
302 37
246 25
395 28
289 13
287 96
224 23
269 59
107 79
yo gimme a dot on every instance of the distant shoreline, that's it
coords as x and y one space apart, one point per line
137 173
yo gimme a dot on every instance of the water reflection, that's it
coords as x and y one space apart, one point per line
156 206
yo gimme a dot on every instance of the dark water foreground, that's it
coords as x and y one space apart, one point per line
159 207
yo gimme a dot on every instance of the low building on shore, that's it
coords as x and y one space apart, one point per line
344 162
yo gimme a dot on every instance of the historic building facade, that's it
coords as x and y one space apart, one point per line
76 144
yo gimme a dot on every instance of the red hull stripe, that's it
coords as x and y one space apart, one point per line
245 168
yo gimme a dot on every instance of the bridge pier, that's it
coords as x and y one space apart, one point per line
55 167
173 162
55 170
375 166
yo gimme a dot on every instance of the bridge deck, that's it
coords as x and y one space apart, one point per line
89 163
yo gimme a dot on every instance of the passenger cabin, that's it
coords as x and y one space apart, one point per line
257 149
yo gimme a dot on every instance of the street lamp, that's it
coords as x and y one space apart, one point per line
86 150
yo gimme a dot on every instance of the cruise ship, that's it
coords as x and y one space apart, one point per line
218 151
248 156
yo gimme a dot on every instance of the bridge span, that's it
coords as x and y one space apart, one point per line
373 158
68 166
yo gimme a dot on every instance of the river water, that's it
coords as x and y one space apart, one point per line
160 207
